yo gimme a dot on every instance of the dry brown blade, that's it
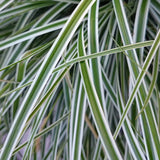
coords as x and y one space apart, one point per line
8 81
91 127
37 141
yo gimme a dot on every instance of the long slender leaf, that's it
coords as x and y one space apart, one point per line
101 123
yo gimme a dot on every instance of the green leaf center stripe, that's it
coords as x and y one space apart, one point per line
103 53
33 33
95 106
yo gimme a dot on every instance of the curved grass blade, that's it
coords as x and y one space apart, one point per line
141 24
33 33
73 112
93 47
95 106
24 8
103 53
29 54
79 116
97 150
131 139
5 4
153 82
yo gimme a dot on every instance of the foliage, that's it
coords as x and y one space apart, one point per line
79 79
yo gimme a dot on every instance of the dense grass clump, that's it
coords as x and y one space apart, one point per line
79 80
